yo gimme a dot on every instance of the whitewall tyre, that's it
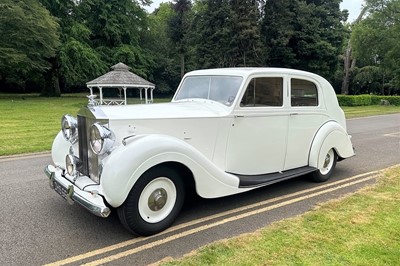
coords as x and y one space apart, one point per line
154 202
328 167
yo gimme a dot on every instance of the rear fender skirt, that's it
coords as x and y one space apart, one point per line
330 136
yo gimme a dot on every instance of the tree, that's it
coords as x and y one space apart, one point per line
117 28
349 61
246 41
97 34
78 61
278 31
29 39
226 33
306 35
376 41
179 25
165 67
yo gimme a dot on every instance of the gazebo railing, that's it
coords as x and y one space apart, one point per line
146 96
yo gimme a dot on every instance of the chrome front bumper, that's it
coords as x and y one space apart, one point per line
89 200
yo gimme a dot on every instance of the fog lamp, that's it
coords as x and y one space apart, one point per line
72 164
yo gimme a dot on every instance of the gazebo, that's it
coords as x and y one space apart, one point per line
120 77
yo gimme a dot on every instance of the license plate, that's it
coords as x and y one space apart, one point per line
60 190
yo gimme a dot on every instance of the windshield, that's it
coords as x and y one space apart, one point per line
221 89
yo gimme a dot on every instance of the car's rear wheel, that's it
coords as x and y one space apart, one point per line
154 202
325 172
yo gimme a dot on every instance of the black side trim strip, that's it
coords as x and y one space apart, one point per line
247 181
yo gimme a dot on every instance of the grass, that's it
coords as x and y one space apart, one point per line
362 111
29 123
361 229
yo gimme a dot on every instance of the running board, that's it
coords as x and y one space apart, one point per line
247 181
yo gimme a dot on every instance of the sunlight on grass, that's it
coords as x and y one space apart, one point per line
361 229
29 123
362 111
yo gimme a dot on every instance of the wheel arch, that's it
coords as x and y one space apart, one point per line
330 136
125 165
183 171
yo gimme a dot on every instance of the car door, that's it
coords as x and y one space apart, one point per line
257 138
306 116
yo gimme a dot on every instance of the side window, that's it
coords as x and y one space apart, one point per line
304 93
263 92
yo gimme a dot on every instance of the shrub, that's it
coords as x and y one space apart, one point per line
362 100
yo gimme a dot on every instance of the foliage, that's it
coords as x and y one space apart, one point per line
29 38
165 66
306 35
179 27
79 62
364 100
377 43
84 38
226 33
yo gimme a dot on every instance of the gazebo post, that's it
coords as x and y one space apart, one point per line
101 95
145 95
125 94
151 94
141 97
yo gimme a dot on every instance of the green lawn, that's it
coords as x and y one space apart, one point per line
361 229
29 123
362 111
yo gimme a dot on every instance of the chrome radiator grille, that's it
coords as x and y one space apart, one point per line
90 161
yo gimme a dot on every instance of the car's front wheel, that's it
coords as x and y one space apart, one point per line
324 173
154 202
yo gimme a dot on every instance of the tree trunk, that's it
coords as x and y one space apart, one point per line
347 68
349 62
182 57
52 84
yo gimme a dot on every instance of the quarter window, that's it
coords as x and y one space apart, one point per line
303 93
263 92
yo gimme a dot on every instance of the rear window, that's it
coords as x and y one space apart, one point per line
303 93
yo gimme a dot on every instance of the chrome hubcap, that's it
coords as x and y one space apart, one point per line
157 199
327 160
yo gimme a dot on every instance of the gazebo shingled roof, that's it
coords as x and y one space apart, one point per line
119 77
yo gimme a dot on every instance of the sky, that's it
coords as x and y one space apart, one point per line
354 7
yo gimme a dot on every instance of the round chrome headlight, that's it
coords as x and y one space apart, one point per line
72 164
101 139
69 127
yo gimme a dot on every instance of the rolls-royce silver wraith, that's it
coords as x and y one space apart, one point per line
226 131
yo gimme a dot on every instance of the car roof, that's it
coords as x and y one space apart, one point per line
247 71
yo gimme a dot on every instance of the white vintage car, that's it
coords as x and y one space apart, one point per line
226 131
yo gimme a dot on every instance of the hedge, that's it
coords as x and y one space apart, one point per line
366 99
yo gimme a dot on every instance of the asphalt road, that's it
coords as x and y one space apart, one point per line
38 227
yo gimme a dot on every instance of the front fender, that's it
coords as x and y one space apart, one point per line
124 166
330 135
59 150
